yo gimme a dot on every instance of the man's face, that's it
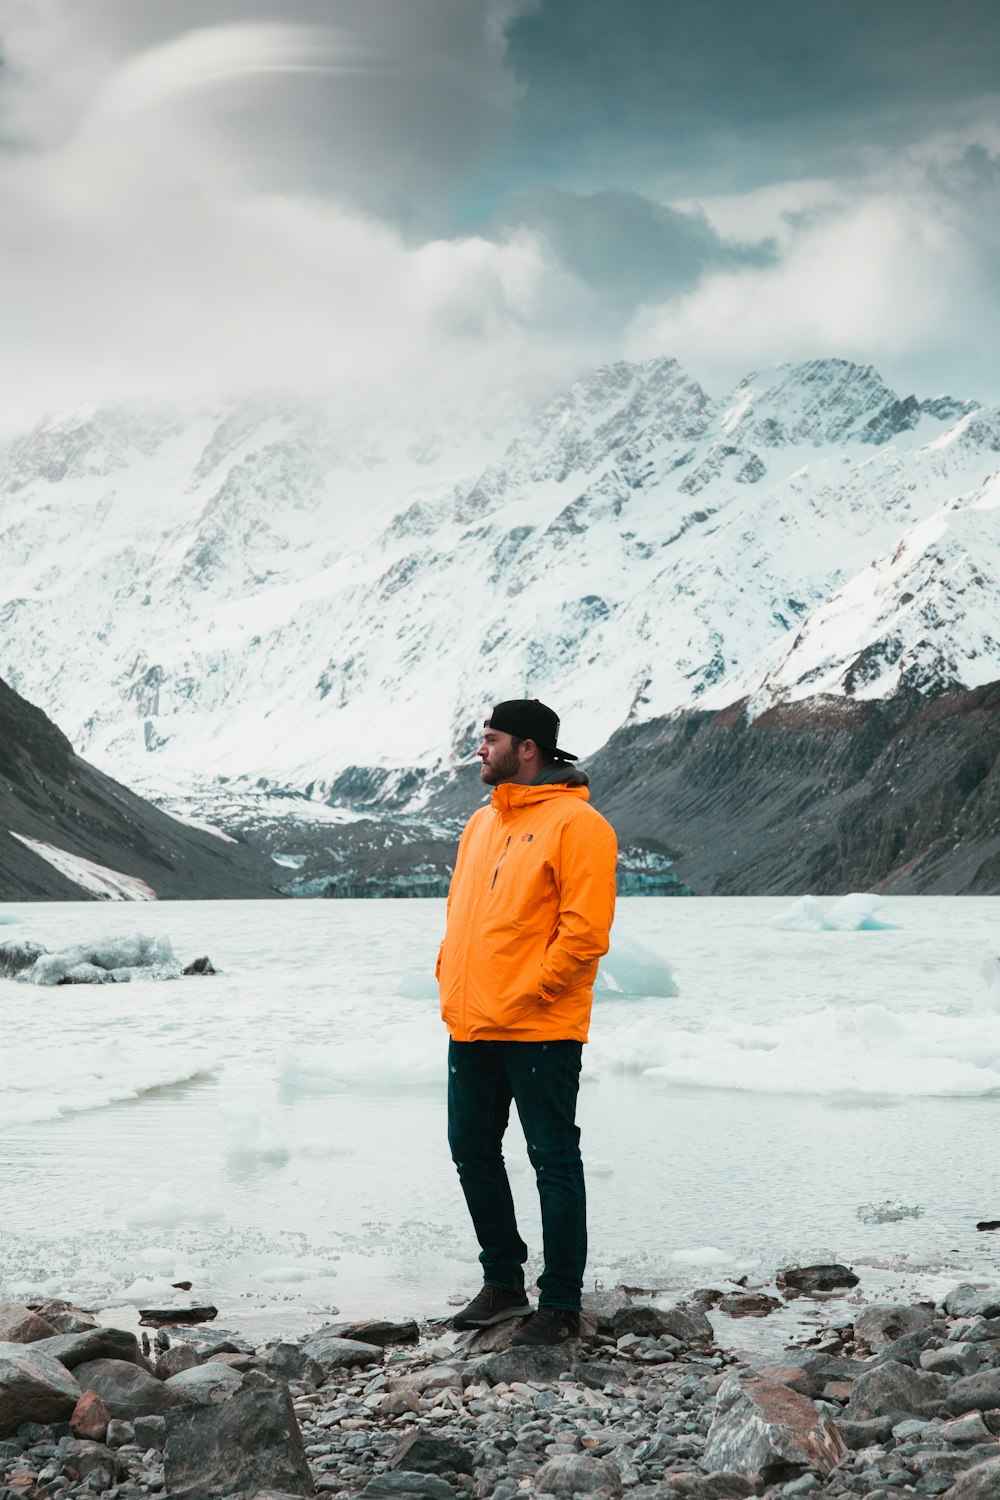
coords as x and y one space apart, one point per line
500 761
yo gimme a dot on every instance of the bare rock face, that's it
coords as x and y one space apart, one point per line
764 1427
19 1325
251 1442
33 1388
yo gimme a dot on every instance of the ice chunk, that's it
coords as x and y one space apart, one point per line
701 1255
107 960
631 968
889 1212
252 1130
858 912
166 1206
804 915
7 918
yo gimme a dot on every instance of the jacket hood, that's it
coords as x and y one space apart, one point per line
558 773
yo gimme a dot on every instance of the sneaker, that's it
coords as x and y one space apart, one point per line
550 1325
494 1304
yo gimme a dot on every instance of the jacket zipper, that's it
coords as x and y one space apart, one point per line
500 861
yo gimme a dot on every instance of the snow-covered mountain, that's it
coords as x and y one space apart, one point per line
286 593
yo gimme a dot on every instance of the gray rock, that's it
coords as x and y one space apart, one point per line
723 1484
969 1428
763 1427
33 1388
980 1483
150 1432
208 1341
748 1304
418 1453
968 1301
825 1278
883 1322
205 1385
65 1317
248 1443
335 1353
599 1375
126 1390
865 1431
522 1363
686 1322
121 1432
292 1363
603 1306
413 1486
578 1474
19 1325
181 1356
896 1390
72 1349
979 1392
92 1461
398 1403
381 1331
434 1378
952 1359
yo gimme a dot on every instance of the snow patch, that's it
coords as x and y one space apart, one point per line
97 880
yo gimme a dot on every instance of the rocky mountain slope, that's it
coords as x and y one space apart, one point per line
276 598
68 832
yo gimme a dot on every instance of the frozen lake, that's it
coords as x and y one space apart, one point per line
276 1134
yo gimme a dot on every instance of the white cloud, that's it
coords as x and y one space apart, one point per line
897 269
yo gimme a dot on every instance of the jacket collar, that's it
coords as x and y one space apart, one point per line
510 796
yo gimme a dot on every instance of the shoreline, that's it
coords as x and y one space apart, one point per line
876 1398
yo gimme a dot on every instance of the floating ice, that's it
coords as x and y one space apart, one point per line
701 1255
630 968
865 1050
991 975
7 918
252 1131
854 913
166 1206
107 960
90 1075
889 1212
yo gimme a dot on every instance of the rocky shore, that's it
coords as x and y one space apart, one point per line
883 1400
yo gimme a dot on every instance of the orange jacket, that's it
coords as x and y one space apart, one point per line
529 915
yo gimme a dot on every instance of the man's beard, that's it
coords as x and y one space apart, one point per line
503 768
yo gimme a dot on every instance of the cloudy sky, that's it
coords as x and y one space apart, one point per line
366 194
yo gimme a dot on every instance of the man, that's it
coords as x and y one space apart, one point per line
529 916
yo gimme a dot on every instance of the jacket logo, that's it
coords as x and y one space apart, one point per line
526 838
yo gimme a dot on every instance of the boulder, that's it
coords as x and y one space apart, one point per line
121 1432
412 1486
90 1461
172 1361
979 1392
19 1325
207 1341
763 1427
332 1352
150 1432
578 1474
687 1484
883 1322
72 1349
292 1363
980 1483
952 1359
90 1418
425 1382
126 1390
864 1432
65 1317
174 1317
748 1304
522 1362
398 1403
205 1385
33 1388
381 1331
420 1453
603 1305
686 1322
968 1301
251 1442
896 1390
827 1278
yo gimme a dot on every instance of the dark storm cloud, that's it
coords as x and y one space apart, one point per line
716 94
624 246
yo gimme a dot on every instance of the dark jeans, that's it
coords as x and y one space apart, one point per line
542 1078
